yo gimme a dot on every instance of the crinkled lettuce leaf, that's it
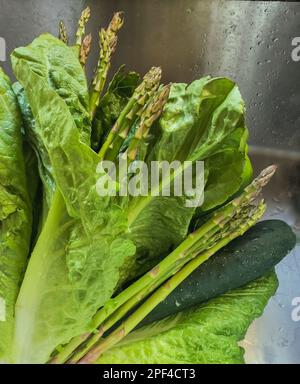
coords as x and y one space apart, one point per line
35 151
156 230
203 121
15 212
75 264
208 334
68 80
228 170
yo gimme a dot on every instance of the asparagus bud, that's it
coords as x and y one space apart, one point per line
84 18
148 86
252 191
151 112
62 32
132 110
85 49
108 42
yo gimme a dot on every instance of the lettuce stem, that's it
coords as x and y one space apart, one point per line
29 294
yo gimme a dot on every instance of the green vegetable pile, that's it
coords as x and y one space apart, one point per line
80 271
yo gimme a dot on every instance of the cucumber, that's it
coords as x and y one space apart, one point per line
243 260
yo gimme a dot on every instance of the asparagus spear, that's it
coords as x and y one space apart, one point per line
151 112
179 256
62 32
85 49
84 18
130 323
108 41
138 100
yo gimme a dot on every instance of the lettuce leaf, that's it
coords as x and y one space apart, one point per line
15 212
33 146
75 264
208 334
228 169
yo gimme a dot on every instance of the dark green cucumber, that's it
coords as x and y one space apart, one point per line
243 260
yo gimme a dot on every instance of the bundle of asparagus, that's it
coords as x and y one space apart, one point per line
224 225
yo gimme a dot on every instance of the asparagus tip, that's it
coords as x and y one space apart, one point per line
86 13
84 18
152 77
265 176
117 21
165 92
85 49
62 32
155 107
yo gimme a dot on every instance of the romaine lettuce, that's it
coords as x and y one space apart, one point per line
74 266
15 212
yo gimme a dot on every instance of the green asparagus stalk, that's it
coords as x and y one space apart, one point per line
62 32
138 100
192 243
131 322
84 18
108 42
85 49
151 112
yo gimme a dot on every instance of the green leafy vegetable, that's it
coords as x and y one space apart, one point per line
15 212
74 266
207 334
35 153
